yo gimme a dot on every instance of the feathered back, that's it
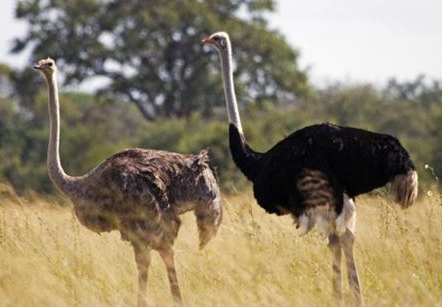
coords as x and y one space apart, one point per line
201 160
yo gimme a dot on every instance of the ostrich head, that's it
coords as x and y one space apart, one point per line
46 66
219 39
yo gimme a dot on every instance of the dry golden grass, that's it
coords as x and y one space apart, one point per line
48 259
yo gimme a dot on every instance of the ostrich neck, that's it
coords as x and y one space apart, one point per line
244 157
229 89
63 181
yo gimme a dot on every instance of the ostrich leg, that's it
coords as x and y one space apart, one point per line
142 258
335 247
347 241
168 258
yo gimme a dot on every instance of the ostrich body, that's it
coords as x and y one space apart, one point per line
315 173
139 192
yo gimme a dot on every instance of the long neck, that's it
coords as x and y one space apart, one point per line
64 182
244 157
229 88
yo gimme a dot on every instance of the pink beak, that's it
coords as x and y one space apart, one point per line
208 41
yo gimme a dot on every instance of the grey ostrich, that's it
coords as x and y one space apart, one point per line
139 192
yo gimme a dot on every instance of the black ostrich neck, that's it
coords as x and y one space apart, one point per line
244 157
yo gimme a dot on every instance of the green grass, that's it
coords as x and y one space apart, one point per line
48 259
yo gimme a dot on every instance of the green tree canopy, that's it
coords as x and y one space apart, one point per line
93 128
149 52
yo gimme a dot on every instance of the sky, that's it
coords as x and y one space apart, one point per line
339 40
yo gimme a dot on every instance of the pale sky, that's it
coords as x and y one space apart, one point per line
339 40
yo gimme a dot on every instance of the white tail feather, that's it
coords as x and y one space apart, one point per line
347 218
405 188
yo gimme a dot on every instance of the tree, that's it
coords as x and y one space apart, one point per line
149 52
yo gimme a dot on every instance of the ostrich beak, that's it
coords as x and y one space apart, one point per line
208 41
37 66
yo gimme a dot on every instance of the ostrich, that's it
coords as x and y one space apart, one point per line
315 173
139 192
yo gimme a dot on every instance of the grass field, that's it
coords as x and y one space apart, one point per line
48 259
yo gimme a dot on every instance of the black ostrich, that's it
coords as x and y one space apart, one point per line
315 173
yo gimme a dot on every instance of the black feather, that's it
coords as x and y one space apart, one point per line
336 159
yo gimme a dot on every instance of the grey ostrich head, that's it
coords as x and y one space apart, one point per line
220 40
46 66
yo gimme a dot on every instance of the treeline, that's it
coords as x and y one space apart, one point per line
94 128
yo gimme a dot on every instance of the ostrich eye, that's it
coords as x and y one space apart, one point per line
50 64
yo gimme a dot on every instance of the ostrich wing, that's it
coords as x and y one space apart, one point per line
291 183
138 177
317 187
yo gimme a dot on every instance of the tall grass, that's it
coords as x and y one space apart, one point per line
48 259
